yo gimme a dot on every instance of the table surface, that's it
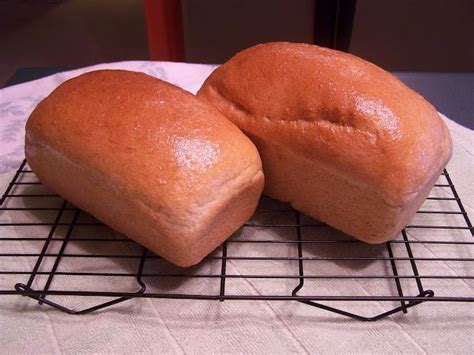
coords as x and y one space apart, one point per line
451 93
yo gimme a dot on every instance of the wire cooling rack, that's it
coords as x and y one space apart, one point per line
59 256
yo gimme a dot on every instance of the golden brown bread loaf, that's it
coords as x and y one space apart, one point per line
148 159
341 139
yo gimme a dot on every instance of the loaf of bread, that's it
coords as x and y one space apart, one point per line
148 159
341 139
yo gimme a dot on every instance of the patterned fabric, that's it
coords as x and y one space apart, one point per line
191 326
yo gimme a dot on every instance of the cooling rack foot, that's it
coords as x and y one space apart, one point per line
402 308
26 291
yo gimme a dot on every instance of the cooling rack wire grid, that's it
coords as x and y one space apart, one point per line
60 256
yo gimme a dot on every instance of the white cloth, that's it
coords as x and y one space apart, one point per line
189 326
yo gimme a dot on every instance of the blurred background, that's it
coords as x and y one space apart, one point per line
403 36
399 35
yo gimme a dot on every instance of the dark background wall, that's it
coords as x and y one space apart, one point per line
214 30
71 33
427 35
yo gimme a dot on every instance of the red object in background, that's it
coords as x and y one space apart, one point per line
165 30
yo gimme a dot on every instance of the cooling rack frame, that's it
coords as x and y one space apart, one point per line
221 256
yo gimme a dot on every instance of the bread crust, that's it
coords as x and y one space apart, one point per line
345 117
148 159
